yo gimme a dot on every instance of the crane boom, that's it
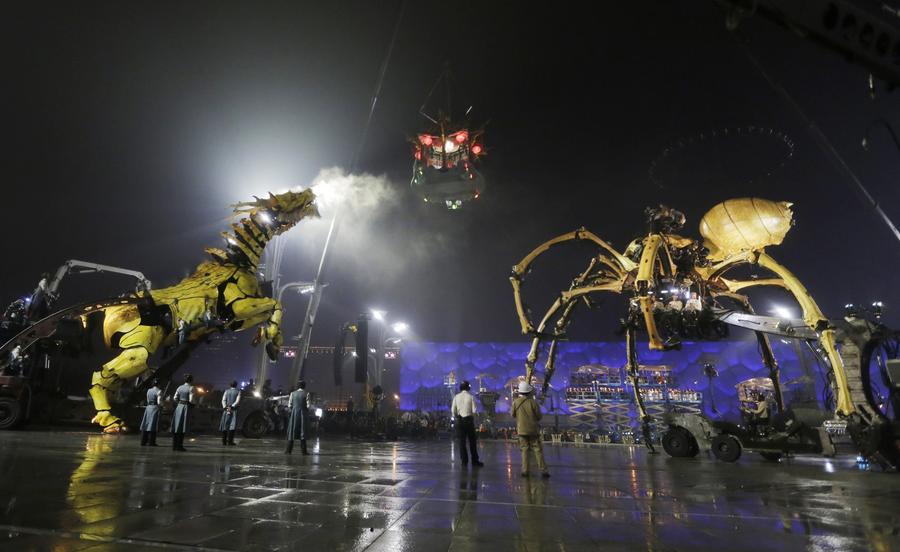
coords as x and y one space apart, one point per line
74 266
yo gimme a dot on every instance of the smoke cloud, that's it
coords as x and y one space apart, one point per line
374 241
353 196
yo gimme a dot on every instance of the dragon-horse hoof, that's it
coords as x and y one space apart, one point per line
272 351
111 424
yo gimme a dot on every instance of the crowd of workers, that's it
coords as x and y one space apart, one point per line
185 396
525 410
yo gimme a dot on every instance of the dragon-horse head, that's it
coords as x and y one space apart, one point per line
261 220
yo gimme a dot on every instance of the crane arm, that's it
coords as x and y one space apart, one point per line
74 266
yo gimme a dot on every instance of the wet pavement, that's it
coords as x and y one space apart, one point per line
65 491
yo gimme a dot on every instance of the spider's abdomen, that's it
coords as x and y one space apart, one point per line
744 224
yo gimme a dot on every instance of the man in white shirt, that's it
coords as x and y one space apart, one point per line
463 409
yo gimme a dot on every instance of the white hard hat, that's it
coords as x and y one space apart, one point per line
525 387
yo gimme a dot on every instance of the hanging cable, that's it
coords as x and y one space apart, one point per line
444 75
312 308
821 140
378 85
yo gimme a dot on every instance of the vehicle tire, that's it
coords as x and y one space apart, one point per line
12 413
726 447
255 426
695 447
679 443
771 456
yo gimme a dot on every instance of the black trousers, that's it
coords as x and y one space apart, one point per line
466 430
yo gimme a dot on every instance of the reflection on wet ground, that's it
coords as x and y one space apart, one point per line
75 491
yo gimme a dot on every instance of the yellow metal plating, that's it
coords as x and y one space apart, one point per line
747 224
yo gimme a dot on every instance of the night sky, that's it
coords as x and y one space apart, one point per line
131 127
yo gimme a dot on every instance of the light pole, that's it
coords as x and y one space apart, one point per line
270 271
303 288
398 329
309 319
379 344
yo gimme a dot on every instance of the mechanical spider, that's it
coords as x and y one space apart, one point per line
736 233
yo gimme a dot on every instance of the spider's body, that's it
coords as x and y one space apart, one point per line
663 263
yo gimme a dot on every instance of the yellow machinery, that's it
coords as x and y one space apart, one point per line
221 294
736 233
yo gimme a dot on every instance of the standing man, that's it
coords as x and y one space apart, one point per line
150 421
463 409
15 360
40 299
527 413
350 420
182 331
231 398
299 405
184 396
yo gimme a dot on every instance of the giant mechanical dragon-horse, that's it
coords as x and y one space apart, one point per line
222 294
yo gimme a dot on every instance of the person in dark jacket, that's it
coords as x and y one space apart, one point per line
183 397
150 421
39 306
299 405
231 398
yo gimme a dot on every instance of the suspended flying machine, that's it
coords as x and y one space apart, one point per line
446 154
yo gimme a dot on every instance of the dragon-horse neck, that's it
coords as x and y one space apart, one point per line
266 218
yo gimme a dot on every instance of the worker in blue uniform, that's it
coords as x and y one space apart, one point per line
150 421
231 398
299 405
184 397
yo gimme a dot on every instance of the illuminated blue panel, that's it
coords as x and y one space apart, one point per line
426 365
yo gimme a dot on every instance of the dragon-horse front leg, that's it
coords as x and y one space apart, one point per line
266 311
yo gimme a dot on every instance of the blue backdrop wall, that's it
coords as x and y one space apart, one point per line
426 365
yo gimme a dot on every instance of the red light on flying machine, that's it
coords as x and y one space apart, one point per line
418 155
476 149
462 136
426 139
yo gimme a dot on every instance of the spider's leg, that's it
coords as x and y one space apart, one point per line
615 261
561 324
644 285
813 318
765 346
632 368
